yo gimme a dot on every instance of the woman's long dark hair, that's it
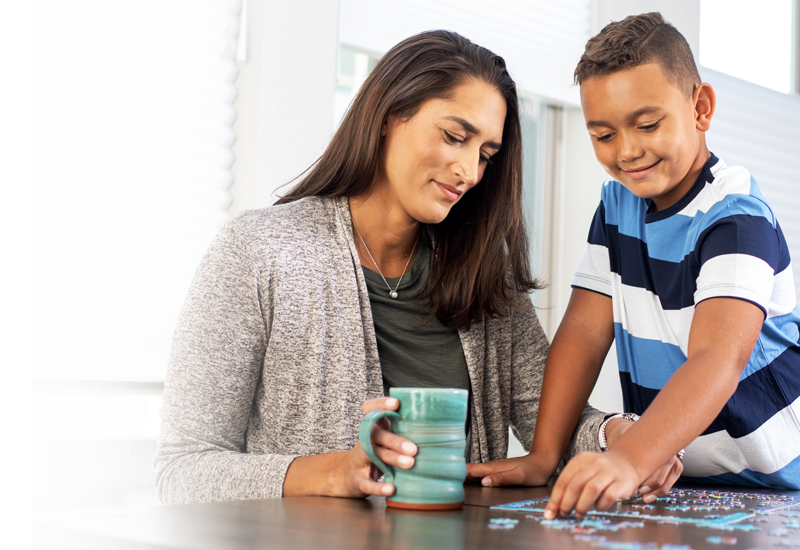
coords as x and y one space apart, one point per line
480 250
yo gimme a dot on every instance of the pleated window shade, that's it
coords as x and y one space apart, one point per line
759 128
133 132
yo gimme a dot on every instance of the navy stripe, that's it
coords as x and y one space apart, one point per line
785 259
757 398
741 234
635 398
705 176
597 231
676 283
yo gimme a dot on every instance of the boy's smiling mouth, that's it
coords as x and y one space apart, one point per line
640 173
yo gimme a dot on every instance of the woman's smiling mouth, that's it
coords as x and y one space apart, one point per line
449 191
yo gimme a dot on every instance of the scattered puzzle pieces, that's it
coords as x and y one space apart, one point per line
503 523
722 540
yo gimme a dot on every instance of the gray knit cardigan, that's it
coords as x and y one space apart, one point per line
274 353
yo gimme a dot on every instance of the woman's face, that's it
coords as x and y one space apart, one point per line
433 158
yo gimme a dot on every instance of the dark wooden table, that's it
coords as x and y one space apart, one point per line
330 523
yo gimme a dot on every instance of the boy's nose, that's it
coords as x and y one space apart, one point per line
628 149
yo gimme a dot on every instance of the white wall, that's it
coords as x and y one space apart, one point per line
285 105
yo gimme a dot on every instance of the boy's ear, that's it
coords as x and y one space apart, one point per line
705 101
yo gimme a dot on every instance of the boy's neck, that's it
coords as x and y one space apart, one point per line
688 181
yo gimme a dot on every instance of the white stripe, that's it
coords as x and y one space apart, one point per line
727 181
768 449
594 269
784 295
641 315
737 276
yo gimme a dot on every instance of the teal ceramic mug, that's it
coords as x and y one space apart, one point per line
434 419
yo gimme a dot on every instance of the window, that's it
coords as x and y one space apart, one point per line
353 67
133 128
754 41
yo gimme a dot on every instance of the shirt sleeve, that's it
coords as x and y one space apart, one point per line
214 367
594 269
739 256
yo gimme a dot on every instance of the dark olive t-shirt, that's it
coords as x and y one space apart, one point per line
411 355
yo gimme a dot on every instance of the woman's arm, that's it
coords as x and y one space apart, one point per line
215 366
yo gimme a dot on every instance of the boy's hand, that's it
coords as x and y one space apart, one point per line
592 479
523 470
660 481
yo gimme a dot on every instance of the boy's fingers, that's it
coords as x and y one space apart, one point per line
587 481
504 477
614 492
552 510
483 469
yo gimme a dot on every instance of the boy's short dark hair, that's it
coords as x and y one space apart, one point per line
637 40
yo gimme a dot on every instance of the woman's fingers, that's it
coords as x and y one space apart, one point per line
368 486
380 403
390 440
393 458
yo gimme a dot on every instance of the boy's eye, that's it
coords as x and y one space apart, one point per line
604 138
451 138
649 127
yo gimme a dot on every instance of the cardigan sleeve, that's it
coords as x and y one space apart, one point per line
214 368
529 356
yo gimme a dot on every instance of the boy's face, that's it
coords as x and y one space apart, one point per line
646 133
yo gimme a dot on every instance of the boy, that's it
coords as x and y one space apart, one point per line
687 268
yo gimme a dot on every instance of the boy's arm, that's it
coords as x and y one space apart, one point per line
723 333
573 364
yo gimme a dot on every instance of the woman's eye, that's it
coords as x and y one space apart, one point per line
487 159
451 138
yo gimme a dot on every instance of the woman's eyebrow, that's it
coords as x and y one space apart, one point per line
472 130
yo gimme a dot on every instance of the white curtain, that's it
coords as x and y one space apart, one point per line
132 127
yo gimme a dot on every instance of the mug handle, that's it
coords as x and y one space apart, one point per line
364 438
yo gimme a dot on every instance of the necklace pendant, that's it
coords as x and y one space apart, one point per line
393 294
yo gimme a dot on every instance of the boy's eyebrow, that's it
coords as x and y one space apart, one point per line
631 117
471 129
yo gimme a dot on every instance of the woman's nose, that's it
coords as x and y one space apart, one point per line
467 168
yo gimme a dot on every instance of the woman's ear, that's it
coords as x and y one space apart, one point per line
705 101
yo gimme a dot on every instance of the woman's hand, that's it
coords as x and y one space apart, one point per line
360 474
659 482
524 470
351 473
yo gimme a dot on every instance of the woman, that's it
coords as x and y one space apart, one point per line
400 259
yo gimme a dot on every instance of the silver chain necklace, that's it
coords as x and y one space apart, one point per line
392 292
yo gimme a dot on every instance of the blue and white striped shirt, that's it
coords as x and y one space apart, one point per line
720 240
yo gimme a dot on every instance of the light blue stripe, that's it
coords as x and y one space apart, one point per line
777 334
673 238
650 363
617 198
755 190
787 477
